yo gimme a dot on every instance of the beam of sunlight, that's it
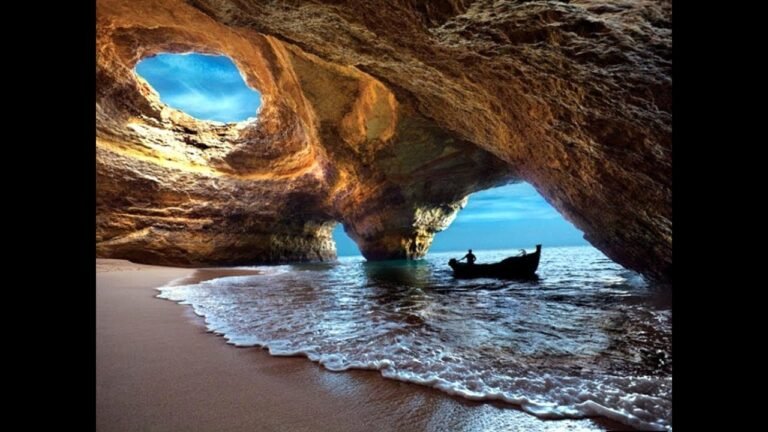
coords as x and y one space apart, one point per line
206 87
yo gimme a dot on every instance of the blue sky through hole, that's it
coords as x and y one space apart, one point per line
206 87
507 217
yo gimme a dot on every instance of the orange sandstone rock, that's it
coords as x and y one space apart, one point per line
384 115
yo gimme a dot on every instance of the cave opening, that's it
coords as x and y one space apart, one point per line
507 217
345 246
207 87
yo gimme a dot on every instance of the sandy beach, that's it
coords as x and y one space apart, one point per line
158 369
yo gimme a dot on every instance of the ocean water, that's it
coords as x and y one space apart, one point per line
588 338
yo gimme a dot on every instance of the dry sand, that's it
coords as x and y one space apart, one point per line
158 369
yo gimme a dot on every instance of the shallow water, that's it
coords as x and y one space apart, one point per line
587 338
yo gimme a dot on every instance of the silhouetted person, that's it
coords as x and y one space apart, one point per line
470 257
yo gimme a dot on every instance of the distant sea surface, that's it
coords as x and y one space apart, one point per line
588 338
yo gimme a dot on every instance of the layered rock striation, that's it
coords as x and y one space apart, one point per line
384 116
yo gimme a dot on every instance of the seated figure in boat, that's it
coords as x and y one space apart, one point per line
522 266
471 258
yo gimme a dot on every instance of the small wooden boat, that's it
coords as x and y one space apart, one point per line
517 267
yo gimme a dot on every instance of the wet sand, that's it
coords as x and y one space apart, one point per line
158 369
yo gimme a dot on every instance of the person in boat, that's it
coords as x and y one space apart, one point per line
471 258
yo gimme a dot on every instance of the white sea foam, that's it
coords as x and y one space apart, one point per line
578 343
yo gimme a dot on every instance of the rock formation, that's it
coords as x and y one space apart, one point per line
384 115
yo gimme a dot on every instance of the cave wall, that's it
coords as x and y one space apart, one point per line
384 115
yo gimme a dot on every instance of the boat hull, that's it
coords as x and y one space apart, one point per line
519 267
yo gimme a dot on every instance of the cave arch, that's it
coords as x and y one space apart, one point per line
367 125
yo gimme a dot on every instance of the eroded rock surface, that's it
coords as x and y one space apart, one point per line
384 115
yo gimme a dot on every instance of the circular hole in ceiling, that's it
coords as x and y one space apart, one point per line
207 87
